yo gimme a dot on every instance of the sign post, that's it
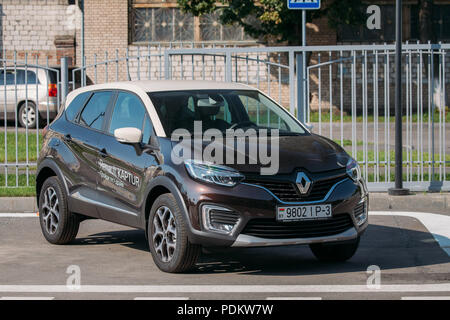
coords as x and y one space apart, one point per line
301 61
398 188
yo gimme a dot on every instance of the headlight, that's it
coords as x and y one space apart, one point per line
213 173
353 170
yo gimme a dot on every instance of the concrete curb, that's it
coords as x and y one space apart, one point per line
18 204
420 202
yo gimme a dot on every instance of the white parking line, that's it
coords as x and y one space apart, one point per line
18 215
436 287
27 298
426 298
161 298
437 224
294 298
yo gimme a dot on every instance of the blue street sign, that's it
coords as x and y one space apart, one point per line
303 4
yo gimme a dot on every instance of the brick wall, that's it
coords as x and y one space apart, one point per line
106 29
30 26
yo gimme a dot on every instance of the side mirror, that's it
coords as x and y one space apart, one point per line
128 135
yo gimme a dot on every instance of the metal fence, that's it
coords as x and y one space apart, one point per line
346 93
29 99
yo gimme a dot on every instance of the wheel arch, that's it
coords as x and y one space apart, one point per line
158 186
47 168
23 101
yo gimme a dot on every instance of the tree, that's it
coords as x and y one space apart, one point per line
271 20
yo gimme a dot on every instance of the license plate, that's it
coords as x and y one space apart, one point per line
296 213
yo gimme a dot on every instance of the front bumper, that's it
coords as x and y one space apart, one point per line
244 240
252 202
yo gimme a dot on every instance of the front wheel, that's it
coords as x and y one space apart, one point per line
335 252
167 237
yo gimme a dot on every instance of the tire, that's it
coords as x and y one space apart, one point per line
167 237
32 115
59 226
335 252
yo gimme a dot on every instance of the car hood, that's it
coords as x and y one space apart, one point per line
309 152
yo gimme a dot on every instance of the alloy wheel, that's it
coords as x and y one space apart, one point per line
50 210
164 233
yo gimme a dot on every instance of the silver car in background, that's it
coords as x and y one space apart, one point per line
22 89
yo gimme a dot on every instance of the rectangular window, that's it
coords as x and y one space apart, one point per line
162 25
17 77
441 22
361 33
169 24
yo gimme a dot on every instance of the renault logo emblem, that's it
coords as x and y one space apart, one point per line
303 183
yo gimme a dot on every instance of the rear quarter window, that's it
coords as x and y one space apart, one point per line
75 106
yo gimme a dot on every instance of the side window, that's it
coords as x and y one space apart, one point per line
128 112
74 107
20 76
147 130
94 113
31 77
9 77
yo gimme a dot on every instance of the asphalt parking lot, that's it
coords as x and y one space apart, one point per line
114 263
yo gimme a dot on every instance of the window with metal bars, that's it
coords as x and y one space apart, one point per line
170 24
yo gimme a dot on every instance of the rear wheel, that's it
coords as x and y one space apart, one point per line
59 226
335 252
167 237
28 114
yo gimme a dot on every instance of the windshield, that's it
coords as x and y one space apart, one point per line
222 109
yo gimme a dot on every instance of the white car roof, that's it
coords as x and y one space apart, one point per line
166 85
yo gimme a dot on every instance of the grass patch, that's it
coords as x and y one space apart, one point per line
18 192
21 143
22 180
22 190
415 176
382 156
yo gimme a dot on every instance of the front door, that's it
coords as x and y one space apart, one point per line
125 168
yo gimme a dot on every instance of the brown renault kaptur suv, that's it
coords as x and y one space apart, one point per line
131 153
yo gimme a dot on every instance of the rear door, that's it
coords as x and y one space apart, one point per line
125 169
83 138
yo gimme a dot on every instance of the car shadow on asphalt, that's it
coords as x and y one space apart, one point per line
385 246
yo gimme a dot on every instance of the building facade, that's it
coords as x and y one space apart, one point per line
116 29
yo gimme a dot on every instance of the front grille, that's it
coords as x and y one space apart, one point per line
359 209
288 192
272 229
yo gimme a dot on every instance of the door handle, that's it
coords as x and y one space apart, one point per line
103 153
68 138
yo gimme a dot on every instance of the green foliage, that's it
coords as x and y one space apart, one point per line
271 20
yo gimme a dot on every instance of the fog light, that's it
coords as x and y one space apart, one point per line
360 213
219 219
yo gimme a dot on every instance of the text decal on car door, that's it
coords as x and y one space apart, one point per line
121 174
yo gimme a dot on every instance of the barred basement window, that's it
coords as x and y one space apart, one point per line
212 30
161 25
170 24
